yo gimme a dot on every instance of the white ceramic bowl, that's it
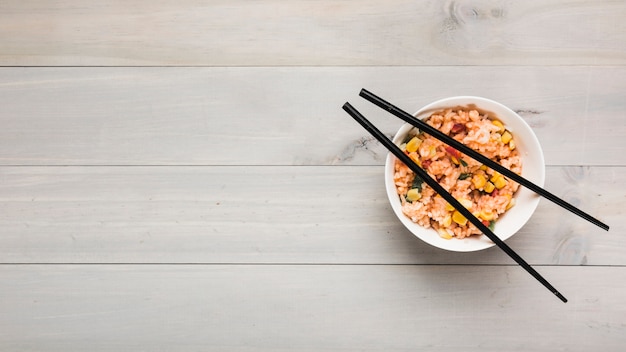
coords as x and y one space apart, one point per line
533 169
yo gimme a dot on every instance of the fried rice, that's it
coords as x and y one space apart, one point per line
486 193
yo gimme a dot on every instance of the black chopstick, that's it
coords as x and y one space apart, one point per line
477 156
447 196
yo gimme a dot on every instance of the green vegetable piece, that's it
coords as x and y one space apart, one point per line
417 183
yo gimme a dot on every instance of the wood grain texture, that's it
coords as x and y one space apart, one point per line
308 308
285 116
179 175
320 33
297 214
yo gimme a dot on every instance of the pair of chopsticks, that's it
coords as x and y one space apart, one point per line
447 196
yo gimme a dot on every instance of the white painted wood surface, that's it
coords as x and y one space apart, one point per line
279 116
271 214
179 176
305 32
309 308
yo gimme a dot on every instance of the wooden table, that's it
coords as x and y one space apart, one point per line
179 175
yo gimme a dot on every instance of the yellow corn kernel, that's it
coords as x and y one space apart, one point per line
459 218
506 137
413 144
500 183
454 160
486 215
416 158
512 144
489 187
483 167
445 234
465 202
479 181
511 204
496 175
499 125
447 221
413 194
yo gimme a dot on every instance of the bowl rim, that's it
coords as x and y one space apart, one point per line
536 174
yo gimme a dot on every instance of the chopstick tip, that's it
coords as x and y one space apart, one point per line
347 107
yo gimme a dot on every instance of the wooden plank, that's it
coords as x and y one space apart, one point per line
308 308
260 116
267 214
301 32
